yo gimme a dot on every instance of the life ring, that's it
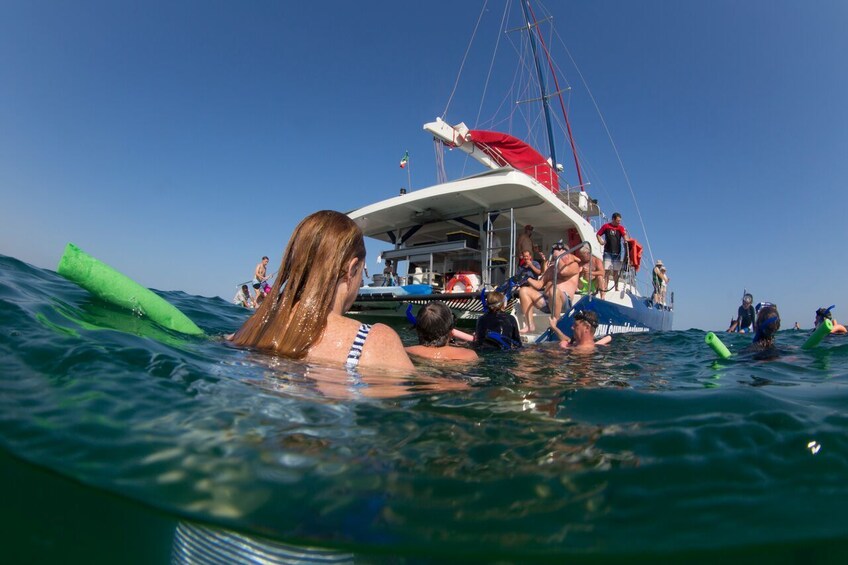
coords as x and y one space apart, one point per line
460 278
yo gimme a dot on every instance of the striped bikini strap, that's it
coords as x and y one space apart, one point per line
358 342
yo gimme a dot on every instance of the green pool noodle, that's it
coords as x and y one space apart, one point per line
824 329
106 283
717 346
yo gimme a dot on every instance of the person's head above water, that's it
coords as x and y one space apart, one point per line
584 325
321 268
823 314
747 299
496 301
767 322
434 324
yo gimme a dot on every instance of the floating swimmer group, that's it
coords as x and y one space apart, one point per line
766 324
109 285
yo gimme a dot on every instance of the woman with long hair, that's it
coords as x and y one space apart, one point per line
303 315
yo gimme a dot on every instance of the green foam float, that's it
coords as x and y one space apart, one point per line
106 283
822 330
717 345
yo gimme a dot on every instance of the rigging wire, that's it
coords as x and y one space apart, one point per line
491 65
559 96
465 58
612 143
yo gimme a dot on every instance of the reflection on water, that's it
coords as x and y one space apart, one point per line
649 447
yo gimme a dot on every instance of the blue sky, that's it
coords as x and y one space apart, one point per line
181 141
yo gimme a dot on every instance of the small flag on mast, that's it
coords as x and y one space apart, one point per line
404 160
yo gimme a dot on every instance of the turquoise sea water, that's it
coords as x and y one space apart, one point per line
113 430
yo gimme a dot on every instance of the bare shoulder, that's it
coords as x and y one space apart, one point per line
384 348
383 332
446 353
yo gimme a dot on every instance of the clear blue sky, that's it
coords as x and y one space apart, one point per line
181 141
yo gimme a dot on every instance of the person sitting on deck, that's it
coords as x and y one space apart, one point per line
303 315
242 297
496 328
529 271
389 274
823 314
434 325
583 327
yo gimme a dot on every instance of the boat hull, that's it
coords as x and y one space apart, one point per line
634 315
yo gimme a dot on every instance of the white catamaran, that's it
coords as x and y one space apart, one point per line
459 237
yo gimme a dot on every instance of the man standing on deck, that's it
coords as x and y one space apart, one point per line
610 236
259 279
524 242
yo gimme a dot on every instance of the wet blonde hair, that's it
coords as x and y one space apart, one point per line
496 301
294 315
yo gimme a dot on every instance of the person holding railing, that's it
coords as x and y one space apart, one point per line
560 281
610 236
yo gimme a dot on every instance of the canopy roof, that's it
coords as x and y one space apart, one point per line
511 151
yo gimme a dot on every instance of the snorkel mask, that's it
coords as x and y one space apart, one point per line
766 328
823 314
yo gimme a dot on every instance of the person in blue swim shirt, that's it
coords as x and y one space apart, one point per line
496 328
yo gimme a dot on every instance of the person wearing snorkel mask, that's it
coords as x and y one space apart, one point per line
745 316
823 314
766 325
583 328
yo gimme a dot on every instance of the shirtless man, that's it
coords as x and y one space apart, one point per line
259 278
524 242
583 328
592 270
550 299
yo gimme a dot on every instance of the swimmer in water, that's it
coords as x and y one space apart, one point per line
823 314
434 324
583 327
766 324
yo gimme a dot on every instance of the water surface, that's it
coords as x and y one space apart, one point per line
649 448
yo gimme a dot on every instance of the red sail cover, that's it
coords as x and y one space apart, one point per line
508 150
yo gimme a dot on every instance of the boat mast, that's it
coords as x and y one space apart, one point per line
525 6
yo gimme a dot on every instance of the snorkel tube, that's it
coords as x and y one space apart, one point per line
822 330
716 344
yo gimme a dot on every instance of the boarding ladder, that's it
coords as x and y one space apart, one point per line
498 257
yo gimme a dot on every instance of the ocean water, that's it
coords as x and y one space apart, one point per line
114 430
